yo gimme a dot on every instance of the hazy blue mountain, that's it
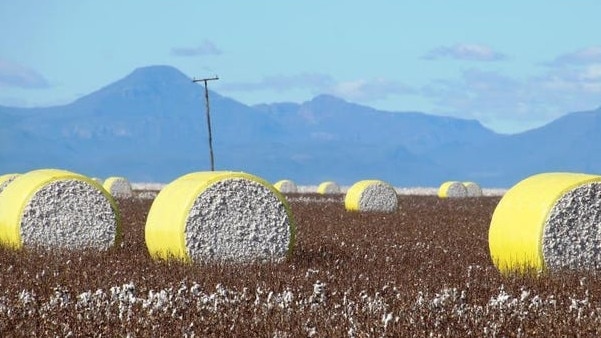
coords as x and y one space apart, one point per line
329 118
571 143
151 126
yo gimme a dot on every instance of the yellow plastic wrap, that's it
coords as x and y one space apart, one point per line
516 229
19 192
6 177
166 222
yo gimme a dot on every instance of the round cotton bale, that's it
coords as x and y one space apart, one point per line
118 187
52 208
452 189
6 179
220 216
548 221
371 195
286 186
472 189
328 187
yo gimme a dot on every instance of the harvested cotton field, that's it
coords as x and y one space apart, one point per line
423 270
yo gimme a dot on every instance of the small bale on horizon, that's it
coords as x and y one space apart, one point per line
286 186
328 187
452 189
118 187
371 196
472 189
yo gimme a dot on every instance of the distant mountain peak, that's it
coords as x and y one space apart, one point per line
159 83
322 98
162 73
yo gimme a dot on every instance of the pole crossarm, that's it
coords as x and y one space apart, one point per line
205 80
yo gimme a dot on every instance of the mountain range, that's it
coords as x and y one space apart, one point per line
151 126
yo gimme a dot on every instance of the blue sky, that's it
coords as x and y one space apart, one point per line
511 64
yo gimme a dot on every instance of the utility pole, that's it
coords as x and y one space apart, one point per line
208 116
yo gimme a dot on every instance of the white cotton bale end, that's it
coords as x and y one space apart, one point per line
118 187
51 208
6 179
452 189
220 216
371 195
472 189
286 186
328 187
549 221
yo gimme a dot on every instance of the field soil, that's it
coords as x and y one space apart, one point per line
424 270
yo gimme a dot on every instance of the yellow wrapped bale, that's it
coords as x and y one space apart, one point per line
328 187
220 216
53 208
118 187
548 221
286 186
452 189
472 189
371 195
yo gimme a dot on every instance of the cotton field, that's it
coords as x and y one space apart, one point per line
424 269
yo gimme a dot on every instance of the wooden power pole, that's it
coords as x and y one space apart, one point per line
208 116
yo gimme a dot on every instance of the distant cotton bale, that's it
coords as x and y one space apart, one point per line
220 216
328 187
286 186
472 189
371 195
118 187
6 179
57 209
548 221
452 189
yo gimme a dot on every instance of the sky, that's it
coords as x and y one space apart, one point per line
513 65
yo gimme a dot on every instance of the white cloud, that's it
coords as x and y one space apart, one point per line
465 51
365 90
205 48
583 56
592 72
13 74
492 97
